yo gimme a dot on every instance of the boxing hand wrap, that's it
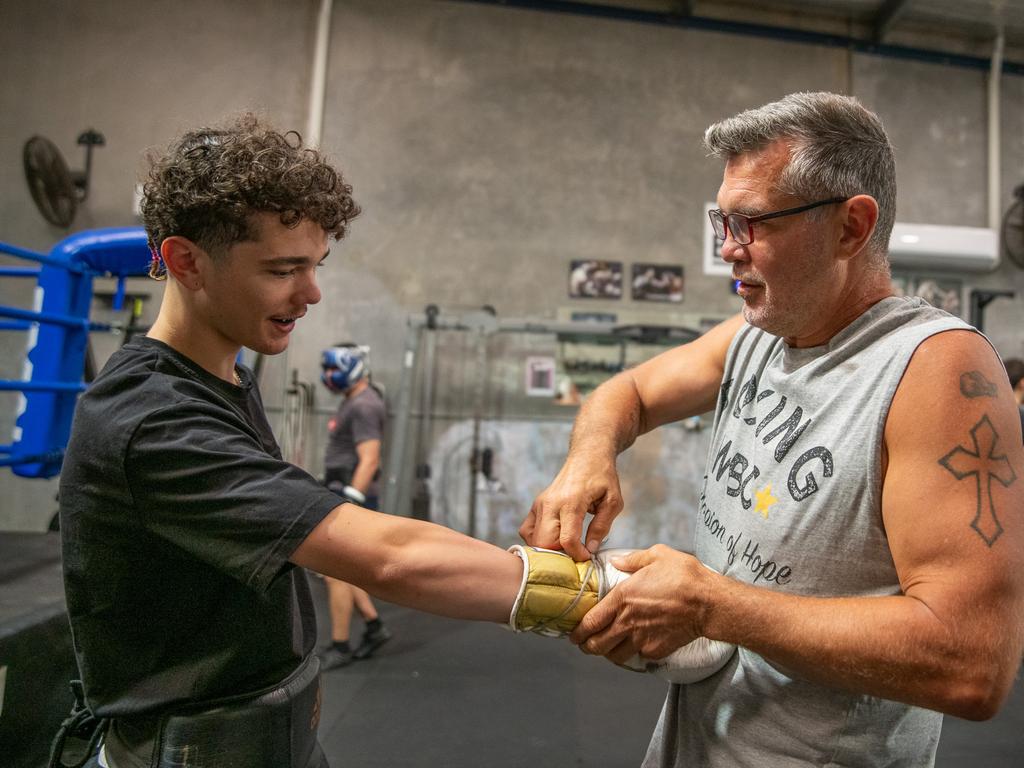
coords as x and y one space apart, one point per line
353 495
556 592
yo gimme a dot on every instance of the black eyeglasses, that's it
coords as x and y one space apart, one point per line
741 226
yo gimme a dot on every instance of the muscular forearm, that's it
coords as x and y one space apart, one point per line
440 571
609 421
414 563
676 384
892 647
680 382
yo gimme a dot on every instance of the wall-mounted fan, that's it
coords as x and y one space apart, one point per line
56 190
1013 229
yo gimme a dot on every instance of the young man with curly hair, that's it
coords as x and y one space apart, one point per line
181 523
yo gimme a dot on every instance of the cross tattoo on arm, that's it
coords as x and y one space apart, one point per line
964 463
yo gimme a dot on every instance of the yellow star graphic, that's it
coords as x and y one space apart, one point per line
764 500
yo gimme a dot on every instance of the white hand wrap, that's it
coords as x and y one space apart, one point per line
556 592
353 494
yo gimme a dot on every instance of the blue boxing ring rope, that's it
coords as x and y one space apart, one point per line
58 328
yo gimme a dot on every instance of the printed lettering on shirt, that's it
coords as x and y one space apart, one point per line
784 424
741 548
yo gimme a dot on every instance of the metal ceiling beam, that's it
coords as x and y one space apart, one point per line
755 30
886 17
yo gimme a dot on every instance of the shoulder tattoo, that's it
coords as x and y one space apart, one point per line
984 461
974 384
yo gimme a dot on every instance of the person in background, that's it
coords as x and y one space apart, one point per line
351 470
1015 371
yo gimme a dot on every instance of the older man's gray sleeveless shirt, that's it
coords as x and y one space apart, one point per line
792 502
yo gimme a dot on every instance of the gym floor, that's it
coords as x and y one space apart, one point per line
460 694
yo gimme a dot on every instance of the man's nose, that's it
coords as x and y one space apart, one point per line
731 250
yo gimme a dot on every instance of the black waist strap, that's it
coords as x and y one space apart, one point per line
274 729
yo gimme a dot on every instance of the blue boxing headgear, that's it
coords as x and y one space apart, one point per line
343 367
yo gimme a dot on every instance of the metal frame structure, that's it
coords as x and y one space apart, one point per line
418 386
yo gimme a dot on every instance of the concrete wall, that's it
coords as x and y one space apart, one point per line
139 72
487 146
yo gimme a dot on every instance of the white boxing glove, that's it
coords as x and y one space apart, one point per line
698 659
556 592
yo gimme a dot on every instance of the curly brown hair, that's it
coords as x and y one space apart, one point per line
212 181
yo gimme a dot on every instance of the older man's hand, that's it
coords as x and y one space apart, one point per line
585 485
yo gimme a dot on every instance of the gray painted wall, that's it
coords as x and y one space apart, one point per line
487 146
139 72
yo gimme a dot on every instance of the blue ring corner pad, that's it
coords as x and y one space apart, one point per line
58 328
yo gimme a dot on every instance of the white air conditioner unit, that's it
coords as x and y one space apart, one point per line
932 246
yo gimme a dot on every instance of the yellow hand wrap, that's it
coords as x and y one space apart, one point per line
555 592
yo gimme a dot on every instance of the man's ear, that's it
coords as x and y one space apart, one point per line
860 215
184 260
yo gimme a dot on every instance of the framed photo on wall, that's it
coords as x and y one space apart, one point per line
713 262
941 292
658 282
540 376
595 279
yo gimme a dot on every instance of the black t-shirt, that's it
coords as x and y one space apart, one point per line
178 516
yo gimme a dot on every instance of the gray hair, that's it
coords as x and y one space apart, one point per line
839 149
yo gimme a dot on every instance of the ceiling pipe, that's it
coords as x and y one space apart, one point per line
885 18
312 137
318 80
994 174
788 34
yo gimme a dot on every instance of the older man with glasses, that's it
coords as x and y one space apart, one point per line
858 508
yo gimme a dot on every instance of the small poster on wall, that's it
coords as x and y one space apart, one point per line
714 264
595 279
657 282
941 292
540 376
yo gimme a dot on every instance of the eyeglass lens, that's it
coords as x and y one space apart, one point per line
737 224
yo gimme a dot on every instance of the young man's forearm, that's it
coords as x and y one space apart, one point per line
414 563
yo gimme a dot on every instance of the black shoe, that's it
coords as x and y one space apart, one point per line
371 642
333 658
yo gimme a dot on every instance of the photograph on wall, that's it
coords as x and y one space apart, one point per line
941 292
657 282
540 376
595 279
714 264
